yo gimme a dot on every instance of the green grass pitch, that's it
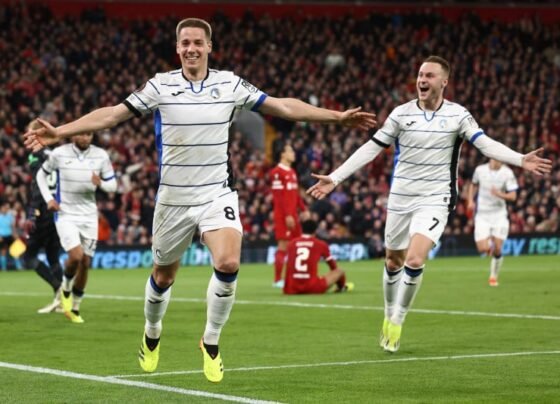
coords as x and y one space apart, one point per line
463 342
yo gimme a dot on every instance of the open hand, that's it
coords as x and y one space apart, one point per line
322 188
535 164
355 118
45 135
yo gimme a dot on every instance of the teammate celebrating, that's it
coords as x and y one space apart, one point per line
427 133
286 200
304 254
81 168
496 185
194 107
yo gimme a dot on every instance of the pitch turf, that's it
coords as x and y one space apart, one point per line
463 342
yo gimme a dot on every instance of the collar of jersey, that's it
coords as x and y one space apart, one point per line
192 84
434 113
78 152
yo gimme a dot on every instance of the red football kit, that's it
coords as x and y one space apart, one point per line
286 199
304 254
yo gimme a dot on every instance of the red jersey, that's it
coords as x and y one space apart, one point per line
304 254
286 199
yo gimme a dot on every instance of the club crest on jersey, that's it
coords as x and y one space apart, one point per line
443 124
215 93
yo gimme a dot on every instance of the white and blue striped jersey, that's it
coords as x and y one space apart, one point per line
192 121
427 147
75 193
502 179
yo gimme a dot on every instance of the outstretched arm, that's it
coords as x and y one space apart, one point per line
360 158
101 118
295 110
498 151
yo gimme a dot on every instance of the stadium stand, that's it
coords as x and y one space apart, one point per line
506 73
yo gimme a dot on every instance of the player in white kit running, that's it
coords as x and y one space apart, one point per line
81 168
194 107
427 134
496 185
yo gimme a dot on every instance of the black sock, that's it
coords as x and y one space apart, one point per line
211 349
66 293
151 343
76 312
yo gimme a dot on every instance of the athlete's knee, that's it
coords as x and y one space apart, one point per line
228 265
394 262
164 275
163 279
415 261
75 256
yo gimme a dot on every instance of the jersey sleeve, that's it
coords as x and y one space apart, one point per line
246 95
326 254
145 99
511 182
51 163
468 127
107 171
389 132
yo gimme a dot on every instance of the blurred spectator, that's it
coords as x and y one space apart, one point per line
508 75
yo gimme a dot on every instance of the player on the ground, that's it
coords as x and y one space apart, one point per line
427 134
286 201
81 168
496 185
194 107
304 254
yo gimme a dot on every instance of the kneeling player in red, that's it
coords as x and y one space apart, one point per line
304 253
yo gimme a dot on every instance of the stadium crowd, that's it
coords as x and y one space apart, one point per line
507 75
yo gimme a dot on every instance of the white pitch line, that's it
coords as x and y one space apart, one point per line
144 385
314 306
349 363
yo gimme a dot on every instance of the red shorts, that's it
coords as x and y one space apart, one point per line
312 286
281 231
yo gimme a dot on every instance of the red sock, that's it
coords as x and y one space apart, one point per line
279 258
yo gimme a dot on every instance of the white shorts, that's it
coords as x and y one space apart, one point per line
485 227
399 228
174 226
73 234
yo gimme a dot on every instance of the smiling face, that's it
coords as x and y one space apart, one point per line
430 83
193 48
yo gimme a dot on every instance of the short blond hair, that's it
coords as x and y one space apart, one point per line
196 23
445 66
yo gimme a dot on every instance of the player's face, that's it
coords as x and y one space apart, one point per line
431 81
193 48
289 155
83 141
495 164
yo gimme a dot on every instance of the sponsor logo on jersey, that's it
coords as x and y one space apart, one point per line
251 88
